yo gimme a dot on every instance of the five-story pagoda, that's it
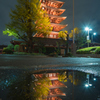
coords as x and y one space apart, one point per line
53 10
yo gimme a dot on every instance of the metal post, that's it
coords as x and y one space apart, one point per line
73 44
73 22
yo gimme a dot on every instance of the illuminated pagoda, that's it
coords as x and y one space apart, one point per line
54 91
53 10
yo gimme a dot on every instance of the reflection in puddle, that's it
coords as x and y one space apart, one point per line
48 85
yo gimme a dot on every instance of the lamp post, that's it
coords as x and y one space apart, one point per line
88 29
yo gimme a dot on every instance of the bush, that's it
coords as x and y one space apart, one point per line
10 46
97 51
7 51
16 48
89 50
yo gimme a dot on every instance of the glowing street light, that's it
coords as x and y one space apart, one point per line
93 36
94 33
88 29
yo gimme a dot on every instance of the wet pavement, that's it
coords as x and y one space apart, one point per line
13 67
14 81
91 65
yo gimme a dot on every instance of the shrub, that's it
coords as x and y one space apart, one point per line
10 46
7 51
97 51
16 48
88 50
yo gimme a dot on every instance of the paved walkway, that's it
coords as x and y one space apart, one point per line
91 65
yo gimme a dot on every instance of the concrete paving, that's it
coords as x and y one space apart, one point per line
91 65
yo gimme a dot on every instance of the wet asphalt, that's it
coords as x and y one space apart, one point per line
91 65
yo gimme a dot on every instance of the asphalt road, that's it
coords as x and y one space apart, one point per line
91 65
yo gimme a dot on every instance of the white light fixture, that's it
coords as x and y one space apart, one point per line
94 33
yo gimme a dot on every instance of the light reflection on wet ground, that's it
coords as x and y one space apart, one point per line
81 92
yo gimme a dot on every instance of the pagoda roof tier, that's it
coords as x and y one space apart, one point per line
52 3
56 92
57 27
56 19
57 84
52 11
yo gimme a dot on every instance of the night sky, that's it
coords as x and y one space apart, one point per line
87 13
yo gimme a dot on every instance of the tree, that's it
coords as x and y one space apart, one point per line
10 46
65 36
62 77
80 37
26 20
41 88
26 88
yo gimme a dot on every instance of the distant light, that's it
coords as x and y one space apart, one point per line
86 85
86 28
94 33
90 84
94 79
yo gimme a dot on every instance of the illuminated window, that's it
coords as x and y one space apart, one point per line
51 35
54 74
54 36
50 75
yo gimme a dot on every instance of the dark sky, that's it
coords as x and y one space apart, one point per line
87 13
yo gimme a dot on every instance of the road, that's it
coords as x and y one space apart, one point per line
91 65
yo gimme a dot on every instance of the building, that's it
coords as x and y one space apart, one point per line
53 10
54 91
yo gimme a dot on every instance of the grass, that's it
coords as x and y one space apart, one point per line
89 50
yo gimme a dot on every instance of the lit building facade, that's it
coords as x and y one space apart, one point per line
53 10
54 91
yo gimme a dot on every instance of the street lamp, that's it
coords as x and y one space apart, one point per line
92 36
88 29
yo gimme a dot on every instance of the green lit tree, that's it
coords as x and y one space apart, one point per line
62 77
27 20
41 88
80 37
27 88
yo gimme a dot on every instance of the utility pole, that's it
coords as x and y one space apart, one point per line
73 44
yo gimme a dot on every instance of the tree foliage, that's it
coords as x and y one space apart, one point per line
76 31
26 88
28 19
41 88
63 34
79 36
62 77
10 46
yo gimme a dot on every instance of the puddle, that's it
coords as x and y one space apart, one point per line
48 84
